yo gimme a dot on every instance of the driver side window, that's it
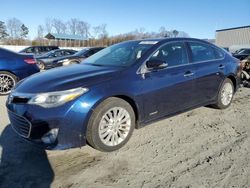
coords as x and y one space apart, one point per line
173 54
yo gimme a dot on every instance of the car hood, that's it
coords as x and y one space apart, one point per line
64 78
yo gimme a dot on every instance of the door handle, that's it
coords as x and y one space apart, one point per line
221 67
188 74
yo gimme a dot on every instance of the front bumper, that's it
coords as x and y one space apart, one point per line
32 122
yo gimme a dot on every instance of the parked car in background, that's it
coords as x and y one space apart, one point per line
127 85
237 51
14 67
79 56
38 49
245 75
227 49
72 59
242 54
47 58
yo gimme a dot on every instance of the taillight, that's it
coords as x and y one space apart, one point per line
30 61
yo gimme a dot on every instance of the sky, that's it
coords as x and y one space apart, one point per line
198 18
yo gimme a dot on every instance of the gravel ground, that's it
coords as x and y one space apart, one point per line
201 148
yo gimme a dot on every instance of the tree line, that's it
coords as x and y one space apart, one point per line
14 32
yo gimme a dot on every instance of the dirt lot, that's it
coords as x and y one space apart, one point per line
201 148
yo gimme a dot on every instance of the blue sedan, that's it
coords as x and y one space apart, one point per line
14 67
122 87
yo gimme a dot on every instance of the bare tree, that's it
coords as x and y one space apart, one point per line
48 25
40 31
82 29
59 26
14 28
72 25
100 31
163 32
183 34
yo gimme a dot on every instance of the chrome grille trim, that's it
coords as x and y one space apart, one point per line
20 124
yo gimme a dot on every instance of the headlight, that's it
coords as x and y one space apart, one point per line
54 99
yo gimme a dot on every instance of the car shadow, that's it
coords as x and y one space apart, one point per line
21 163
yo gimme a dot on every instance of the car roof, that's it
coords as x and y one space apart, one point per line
171 39
177 39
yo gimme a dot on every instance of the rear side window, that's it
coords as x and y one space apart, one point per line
204 52
58 54
30 50
173 54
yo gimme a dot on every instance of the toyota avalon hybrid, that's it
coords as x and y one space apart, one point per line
125 86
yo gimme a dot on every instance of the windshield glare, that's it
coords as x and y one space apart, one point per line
122 54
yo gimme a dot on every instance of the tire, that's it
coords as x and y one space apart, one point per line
7 82
225 95
105 135
41 65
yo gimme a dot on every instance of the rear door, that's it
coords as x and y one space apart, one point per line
209 68
169 90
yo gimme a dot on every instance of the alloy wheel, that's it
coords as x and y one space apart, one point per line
7 82
114 126
227 94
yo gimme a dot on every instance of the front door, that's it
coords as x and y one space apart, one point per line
169 90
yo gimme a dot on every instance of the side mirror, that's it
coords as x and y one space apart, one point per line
156 64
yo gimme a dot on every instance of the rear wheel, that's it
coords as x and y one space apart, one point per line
41 65
7 82
111 125
225 95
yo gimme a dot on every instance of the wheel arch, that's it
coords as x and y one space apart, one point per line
234 80
10 73
129 100
132 104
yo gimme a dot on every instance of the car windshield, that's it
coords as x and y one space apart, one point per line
122 54
245 51
81 52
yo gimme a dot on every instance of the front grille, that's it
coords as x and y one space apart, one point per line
20 124
21 100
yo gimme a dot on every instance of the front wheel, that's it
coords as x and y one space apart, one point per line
7 82
225 95
111 125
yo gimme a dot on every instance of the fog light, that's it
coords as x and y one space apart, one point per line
50 137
